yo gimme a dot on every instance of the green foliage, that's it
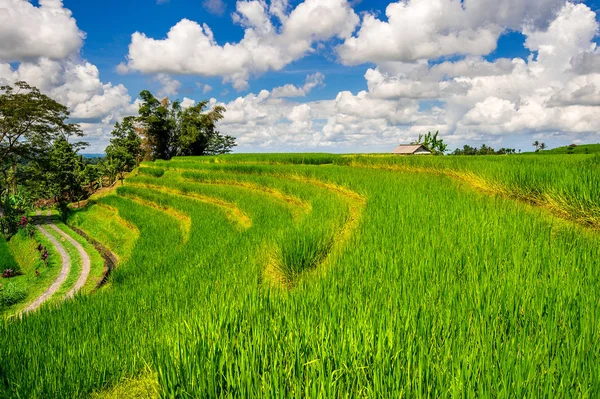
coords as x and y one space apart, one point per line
575 149
301 250
432 143
13 209
29 121
170 130
483 150
6 259
437 291
156 172
124 152
539 146
11 294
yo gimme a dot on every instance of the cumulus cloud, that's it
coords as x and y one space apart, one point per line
187 103
29 32
554 94
190 48
41 45
429 29
74 83
290 90
168 85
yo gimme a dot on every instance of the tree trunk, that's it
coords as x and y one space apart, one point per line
14 178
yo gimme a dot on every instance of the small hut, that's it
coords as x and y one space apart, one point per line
411 149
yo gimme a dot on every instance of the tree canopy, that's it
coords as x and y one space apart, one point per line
29 122
170 130
432 142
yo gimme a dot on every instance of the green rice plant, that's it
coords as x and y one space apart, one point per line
300 250
430 287
11 294
151 171
6 259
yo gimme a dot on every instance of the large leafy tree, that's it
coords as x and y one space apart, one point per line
124 152
29 122
198 134
169 130
159 125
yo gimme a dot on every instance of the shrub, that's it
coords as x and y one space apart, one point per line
11 294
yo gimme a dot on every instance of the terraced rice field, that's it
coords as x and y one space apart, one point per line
330 276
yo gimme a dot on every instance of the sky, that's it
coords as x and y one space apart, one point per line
321 75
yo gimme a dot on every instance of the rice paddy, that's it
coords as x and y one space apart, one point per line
329 276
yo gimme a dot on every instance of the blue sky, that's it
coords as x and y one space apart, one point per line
323 75
107 44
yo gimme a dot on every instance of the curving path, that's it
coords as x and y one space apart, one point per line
65 269
85 262
64 272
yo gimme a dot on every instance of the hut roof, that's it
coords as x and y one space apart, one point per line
409 148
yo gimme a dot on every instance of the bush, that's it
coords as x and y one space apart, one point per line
11 294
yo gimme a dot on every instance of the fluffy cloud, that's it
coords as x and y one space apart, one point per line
29 32
75 84
290 90
168 85
41 45
190 48
554 94
429 29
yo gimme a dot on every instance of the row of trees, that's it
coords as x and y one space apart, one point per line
39 148
483 150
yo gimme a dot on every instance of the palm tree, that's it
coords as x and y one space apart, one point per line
542 146
536 144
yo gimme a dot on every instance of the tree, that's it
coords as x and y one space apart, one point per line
158 122
432 142
29 121
542 146
198 134
170 130
124 152
536 144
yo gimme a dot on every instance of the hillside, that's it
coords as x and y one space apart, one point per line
329 276
580 149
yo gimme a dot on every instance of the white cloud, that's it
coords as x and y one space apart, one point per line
29 32
290 90
75 84
216 7
429 29
187 103
169 86
554 95
190 48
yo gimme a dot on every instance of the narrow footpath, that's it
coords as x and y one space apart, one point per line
66 265
64 273
85 262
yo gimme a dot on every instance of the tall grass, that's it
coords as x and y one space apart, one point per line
439 290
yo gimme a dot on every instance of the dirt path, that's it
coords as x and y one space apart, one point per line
64 272
85 262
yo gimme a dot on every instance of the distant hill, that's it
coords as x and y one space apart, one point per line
93 155
580 149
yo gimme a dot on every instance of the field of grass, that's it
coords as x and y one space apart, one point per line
318 275
6 259
580 149
24 251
